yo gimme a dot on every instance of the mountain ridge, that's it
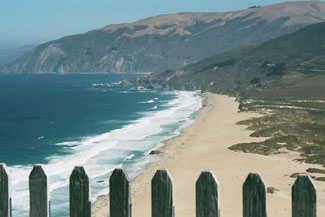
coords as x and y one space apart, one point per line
166 41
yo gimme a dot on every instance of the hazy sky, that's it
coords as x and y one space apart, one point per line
36 21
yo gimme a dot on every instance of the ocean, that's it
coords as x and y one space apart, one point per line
61 121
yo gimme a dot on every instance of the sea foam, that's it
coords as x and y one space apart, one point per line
127 147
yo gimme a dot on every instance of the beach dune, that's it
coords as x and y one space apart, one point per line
204 146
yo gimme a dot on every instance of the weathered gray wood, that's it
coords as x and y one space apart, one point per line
38 193
119 194
304 199
162 198
80 205
207 195
5 207
254 196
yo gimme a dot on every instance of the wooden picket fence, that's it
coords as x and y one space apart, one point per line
162 198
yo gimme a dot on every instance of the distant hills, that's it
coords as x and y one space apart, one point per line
9 55
167 41
292 66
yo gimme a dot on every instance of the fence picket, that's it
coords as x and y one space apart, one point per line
80 205
162 198
119 194
304 199
207 196
38 193
304 195
5 205
254 196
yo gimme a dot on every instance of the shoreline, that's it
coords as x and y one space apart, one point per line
213 131
164 142
100 206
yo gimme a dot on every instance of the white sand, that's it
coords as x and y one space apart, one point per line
204 146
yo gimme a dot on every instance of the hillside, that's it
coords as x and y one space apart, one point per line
289 66
167 41
8 55
283 79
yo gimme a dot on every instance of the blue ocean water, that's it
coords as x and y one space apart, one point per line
62 121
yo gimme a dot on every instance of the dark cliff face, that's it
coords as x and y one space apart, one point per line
167 41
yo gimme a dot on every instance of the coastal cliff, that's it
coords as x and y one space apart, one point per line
167 41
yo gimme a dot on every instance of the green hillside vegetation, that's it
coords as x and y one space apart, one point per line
284 79
292 66
289 125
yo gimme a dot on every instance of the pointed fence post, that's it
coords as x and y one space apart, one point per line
254 196
80 205
207 196
38 193
162 198
119 194
5 200
304 199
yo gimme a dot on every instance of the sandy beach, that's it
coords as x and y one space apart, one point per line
204 146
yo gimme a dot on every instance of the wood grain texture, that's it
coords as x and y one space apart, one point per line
207 195
304 198
254 196
119 194
4 191
162 198
38 193
80 205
